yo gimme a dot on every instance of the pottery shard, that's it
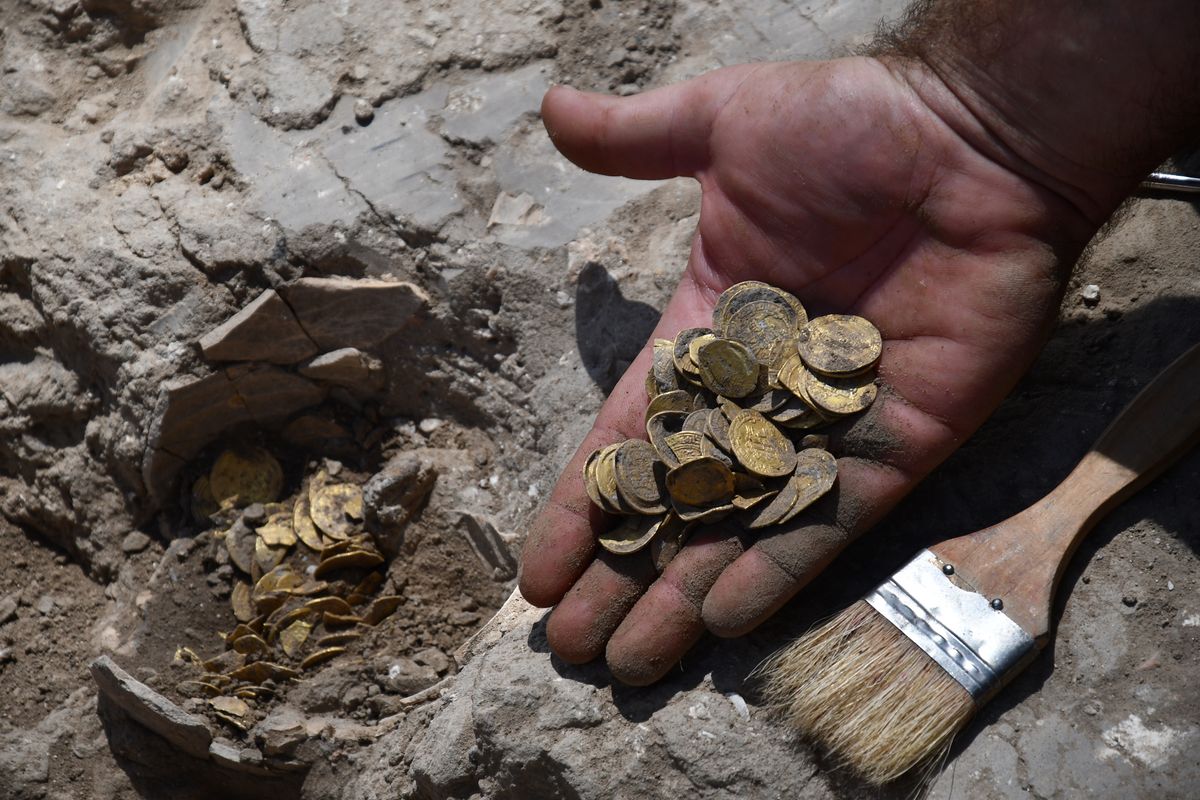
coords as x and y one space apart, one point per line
270 394
196 412
346 312
265 330
151 709
349 367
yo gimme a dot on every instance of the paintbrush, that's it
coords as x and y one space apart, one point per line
886 684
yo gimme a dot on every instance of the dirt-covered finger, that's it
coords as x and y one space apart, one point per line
580 626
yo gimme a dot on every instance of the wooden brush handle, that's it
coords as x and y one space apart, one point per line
1021 560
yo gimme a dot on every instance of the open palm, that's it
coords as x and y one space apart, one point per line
832 180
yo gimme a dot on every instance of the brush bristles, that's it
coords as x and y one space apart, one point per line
859 688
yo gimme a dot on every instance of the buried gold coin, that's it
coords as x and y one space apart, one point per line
293 637
278 531
759 446
302 524
321 656
839 344
335 507
685 446
245 475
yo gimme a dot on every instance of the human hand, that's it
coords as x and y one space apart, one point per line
839 182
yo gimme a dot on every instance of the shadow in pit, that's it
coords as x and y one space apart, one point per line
610 329
156 769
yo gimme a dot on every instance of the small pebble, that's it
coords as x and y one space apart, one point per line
254 514
1090 294
1129 600
363 112
135 542
429 425
1170 586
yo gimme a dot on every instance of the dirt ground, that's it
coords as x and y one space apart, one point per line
165 165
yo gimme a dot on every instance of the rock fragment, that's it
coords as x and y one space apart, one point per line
489 546
349 367
270 394
151 709
135 542
265 330
344 312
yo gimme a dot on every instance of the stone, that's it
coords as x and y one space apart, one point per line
406 676
1090 295
265 330
270 394
433 658
135 542
349 367
363 112
342 312
8 609
281 732
317 434
394 494
151 709
194 412
489 546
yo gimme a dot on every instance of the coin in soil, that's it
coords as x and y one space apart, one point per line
759 446
727 367
245 475
816 472
639 476
303 525
768 329
702 482
840 396
631 535
839 344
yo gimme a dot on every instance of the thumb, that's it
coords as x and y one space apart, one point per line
662 133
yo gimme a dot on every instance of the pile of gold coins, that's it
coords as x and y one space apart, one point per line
309 579
731 421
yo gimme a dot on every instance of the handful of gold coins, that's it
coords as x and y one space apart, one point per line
731 421
314 576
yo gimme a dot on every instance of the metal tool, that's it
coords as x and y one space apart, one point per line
1170 182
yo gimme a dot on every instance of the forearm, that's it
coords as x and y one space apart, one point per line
1083 96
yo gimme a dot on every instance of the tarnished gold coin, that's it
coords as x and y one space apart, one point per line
267 557
768 329
791 374
682 353
589 478
759 446
658 428
678 400
303 525
293 637
239 599
319 605
277 531
355 559
281 578
332 620
631 535
606 481
694 347
816 472
381 608
663 367
321 656
334 507
260 671
702 482
727 367
741 294
338 639
240 541
703 514
685 446
697 420
841 396
230 705
245 475
771 513
749 491
769 400
709 449
839 344
669 540
717 429
250 644
639 476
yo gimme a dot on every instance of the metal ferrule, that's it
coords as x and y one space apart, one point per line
979 646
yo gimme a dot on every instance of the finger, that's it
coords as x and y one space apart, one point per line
658 134
880 468
666 621
580 625
562 539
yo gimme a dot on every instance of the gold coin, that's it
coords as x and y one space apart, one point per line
278 579
381 608
245 475
250 644
639 476
606 481
332 620
230 705
791 374
239 541
770 514
839 344
796 413
666 544
589 478
303 525
330 603
816 472
333 508
678 400
818 440
841 396
768 329
278 532
355 559
769 400
337 639
682 352
685 446
755 291
260 671
321 656
293 637
631 535
702 482
717 429
749 491
701 515
652 390
759 446
267 557
709 449
727 367
243 607
658 428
